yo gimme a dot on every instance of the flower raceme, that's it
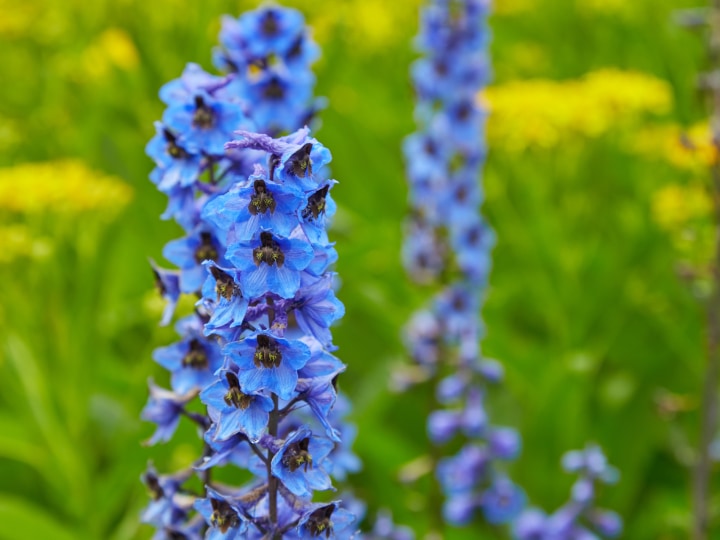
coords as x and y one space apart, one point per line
267 316
257 351
448 244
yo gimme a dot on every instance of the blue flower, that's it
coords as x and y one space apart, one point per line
315 214
234 411
297 158
176 167
385 529
460 473
182 207
270 264
299 464
167 508
167 283
273 30
320 395
188 254
265 362
203 123
502 501
282 100
530 525
224 515
262 205
232 450
504 443
316 308
608 523
191 362
324 520
193 79
164 409
229 305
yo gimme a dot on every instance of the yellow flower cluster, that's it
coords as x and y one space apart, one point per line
690 149
545 113
114 47
675 206
66 186
684 213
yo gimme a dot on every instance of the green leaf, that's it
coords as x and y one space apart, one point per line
22 520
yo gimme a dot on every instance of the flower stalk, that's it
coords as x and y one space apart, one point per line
447 246
257 351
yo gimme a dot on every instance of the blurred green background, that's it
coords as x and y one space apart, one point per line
595 305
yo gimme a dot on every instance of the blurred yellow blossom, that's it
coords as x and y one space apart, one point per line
684 212
544 113
17 17
689 149
676 205
18 242
65 186
369 26
114 47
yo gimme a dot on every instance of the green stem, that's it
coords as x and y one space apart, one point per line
272 481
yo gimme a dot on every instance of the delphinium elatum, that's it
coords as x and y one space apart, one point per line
579 518
447 246
257 351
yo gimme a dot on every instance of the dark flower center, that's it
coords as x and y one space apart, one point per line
153 484
206 251
474 235
430 147
269 24
319 521
159 285
274 89
234 396
461 194
273 162
225 286
267 352
464 111
296 49
299 163
196 356
262 200
204 118
316 203
269 251
223 516
172 147
297 455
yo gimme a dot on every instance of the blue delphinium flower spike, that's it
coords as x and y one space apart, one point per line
448 244
250 188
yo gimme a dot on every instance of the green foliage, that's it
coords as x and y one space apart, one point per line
597 332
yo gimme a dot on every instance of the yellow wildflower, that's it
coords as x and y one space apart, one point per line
675 206
684 212
114 47
689 149
544 113
65 186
